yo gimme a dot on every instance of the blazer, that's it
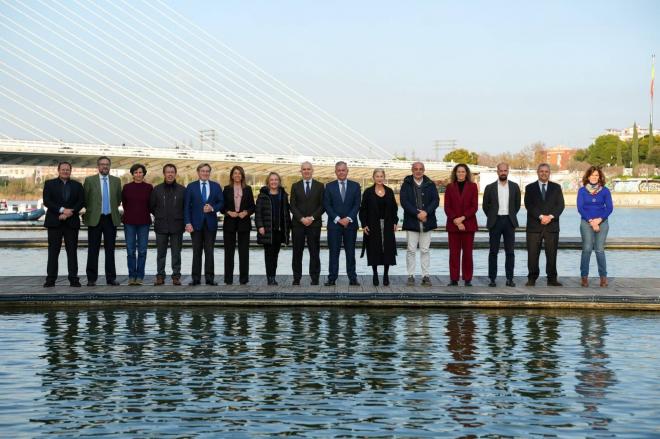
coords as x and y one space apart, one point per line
193 206
553 205
93 199
459 204
430 203
337 208
54 200
307 205
230 224
491 203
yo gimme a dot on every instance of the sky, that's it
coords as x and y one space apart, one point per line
495 76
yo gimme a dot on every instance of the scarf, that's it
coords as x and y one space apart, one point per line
593 189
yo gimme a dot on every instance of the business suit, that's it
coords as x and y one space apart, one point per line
205 226
537 205
338 208
100 225
501 225
237 230
461 242
58 195
304 205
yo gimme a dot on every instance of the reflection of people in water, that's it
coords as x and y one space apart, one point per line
594 377
461 345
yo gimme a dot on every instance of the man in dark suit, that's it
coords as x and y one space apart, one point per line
306 205
203 200
102 199
64 198
341 200
544 201
501 204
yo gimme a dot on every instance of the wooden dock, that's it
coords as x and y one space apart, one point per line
622 294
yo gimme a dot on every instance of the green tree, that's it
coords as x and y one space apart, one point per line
604 150
462 155
619 156
635 151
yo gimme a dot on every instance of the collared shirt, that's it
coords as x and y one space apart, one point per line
503 198
547 183
337 218
101 177
305 183
201 188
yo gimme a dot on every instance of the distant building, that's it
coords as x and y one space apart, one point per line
559 156
627 133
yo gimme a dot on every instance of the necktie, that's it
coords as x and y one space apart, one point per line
543 191
306 188
65 192
343 191
106 197
204 195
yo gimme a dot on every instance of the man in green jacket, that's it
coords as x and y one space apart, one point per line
102 198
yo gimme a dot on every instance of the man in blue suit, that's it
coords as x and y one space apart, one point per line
202 201
341 201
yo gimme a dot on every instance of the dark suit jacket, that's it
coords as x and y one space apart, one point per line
230 224
553 205
193 205
491 203
459 204
337 208
302 205
54 200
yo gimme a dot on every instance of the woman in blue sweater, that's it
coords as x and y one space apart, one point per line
594 202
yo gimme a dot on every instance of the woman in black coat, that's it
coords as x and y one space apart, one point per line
378 215
236 226
273 220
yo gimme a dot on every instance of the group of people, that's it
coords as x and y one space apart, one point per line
296 218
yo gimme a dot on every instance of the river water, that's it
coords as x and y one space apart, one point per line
211 372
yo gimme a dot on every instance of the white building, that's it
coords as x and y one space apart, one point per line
627 133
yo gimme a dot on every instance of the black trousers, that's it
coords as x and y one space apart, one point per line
502 227
313 237
203 240
551 241
106 229
271 252
55 236
175 242
243 240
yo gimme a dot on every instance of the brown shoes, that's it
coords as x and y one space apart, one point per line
160 280
584 282
603 282
176 281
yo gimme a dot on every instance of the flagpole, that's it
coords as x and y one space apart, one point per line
652 88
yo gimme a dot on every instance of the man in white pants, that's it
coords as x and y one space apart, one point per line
419 199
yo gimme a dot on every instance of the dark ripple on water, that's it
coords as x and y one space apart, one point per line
328 372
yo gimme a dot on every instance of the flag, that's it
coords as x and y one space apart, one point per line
652 75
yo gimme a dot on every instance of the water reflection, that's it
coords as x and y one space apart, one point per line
169 371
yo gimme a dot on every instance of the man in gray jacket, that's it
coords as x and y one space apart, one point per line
166 205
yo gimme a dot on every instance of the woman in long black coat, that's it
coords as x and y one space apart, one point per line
378 216
272 217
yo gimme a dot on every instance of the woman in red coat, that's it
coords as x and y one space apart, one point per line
461 204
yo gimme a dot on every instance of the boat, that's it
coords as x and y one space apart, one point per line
15 212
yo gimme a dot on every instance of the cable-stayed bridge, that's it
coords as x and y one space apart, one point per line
138 81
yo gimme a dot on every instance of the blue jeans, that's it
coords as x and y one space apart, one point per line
137 235
593 241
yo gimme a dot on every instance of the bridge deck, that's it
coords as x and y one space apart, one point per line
623 294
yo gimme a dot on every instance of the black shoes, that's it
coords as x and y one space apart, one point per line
530 283
296 282
354 282
315 281
91 284
113 283
554 283
468 283
375 280
212 283
49 284
492 283
271 280
75 284
386 279
453 283
510 283
194 283
329 283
